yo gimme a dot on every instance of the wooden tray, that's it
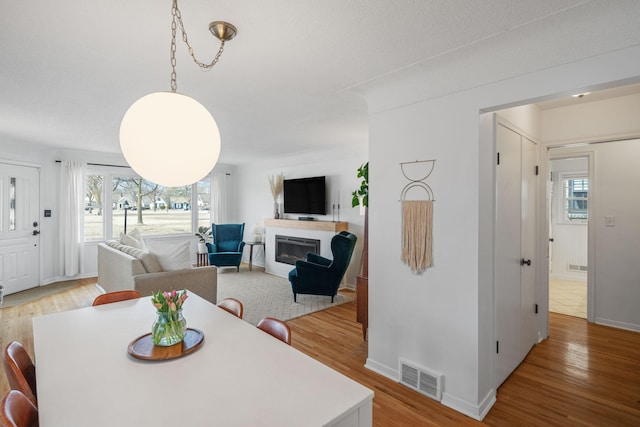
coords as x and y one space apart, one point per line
143 347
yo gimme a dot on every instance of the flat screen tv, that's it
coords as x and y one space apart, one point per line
305 196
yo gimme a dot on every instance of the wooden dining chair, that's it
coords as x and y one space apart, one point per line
276 328
16 410
116 296
20 370
233 306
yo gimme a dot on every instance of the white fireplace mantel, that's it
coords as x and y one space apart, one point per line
321 230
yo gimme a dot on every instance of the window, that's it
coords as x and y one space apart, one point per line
203 201
93 209
149 207
128 202
575 195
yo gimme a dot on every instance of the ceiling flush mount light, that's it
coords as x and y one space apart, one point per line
169 138
581 95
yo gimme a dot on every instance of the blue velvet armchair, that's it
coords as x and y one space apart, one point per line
226 250
321 276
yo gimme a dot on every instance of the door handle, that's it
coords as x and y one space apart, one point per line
35 232
525 261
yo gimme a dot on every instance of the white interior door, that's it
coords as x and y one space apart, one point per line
508 247
19 227
528 247
515 250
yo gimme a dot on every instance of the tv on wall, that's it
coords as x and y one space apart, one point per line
305 196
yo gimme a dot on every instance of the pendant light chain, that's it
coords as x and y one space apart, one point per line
175 22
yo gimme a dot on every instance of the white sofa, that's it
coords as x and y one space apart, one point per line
125 267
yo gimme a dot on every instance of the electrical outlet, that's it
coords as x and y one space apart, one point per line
609 221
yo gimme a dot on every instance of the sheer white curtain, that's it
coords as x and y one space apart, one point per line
219 196
71 233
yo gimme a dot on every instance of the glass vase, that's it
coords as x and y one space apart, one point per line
169 328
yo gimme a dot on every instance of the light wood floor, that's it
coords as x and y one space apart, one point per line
568 297
584 374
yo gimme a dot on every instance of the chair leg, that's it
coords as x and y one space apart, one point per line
295 296
332 298
238 269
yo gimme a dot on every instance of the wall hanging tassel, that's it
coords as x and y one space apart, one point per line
417 223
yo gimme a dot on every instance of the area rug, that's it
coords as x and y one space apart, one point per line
264 295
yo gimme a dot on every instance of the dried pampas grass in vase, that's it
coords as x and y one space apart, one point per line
276 183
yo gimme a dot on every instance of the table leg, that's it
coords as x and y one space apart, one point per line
250 257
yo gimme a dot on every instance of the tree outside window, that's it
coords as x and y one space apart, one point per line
93 208
141 204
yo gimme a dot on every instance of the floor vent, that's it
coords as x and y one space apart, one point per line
575 267
420 379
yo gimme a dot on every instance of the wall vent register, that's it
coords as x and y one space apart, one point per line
421 379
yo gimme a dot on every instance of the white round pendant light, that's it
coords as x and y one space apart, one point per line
169 139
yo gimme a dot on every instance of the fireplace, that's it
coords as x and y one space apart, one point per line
289 248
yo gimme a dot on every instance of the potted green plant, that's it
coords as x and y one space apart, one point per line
361 195
204 234
361 198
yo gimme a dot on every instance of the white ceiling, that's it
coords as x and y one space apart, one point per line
292 79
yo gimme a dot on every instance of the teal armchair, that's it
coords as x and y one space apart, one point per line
227 246
321 276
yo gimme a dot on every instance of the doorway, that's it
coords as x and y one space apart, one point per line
568 216
19 227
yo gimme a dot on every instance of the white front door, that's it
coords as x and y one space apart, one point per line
19 227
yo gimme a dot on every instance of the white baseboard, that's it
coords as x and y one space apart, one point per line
57 279
381 369
477 412
618 324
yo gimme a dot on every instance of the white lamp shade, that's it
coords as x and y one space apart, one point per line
169 139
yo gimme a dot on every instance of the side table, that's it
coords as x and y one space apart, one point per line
203 259
251 245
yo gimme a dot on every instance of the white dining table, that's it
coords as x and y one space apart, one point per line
238 376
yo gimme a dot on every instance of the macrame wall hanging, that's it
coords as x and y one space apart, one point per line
417 215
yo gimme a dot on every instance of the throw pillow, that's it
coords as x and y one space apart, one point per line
129 240
135 234
150 263
171 256
130 250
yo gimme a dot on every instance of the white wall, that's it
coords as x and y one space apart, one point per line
615 118
443 319
616 272
340 167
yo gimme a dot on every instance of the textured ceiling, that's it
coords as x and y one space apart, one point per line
295 78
